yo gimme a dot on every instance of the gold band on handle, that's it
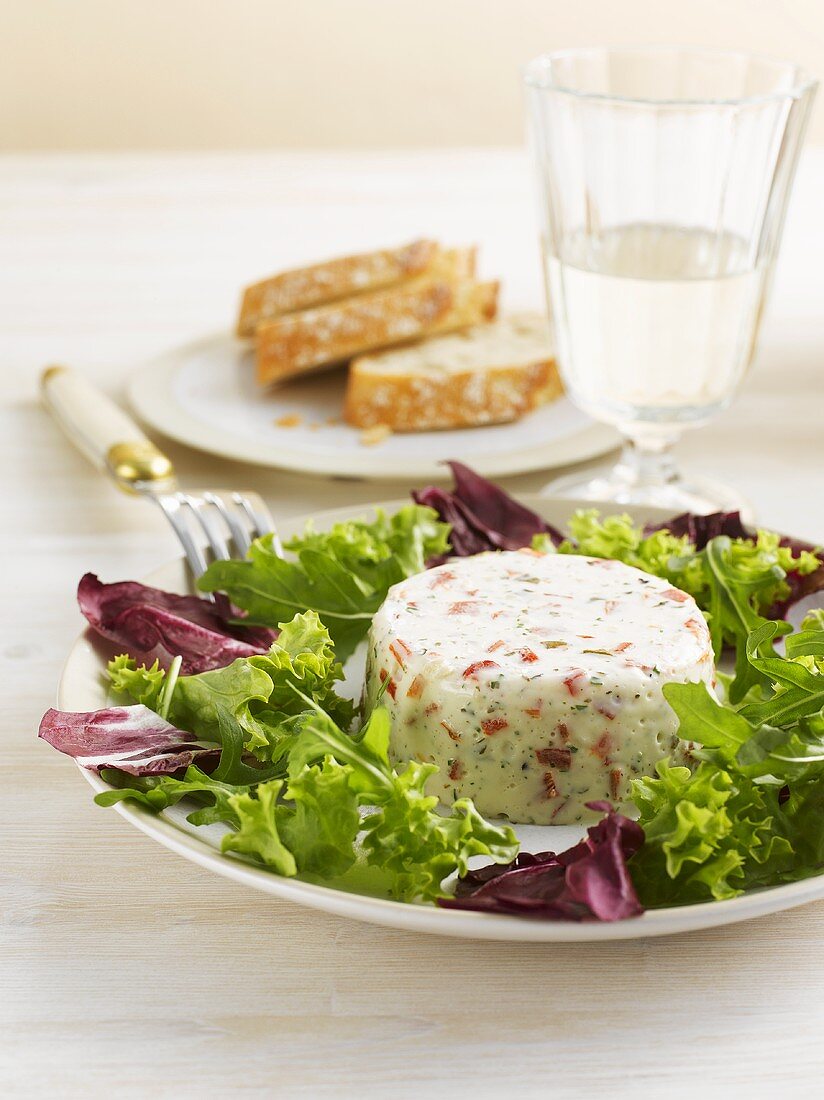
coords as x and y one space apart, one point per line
131 463
48 373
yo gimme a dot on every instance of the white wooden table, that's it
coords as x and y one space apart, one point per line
125 970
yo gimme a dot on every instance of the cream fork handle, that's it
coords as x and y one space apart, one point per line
104 433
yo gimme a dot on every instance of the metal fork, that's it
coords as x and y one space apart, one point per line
112 441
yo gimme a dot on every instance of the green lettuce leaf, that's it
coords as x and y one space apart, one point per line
702 719
300 663
342 805
257 833
710 834
143 684
406 836
343 574
752 812
402 834
412 535
660 553
265 695
324 825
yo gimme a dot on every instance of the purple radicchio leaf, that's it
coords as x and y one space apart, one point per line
132 739
700 529
482 515
587 882
806 592
153 625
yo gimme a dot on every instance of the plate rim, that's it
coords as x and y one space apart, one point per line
412 917
150 393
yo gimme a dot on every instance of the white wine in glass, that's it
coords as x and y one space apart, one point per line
663 179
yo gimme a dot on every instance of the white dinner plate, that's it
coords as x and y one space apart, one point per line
82 687
205 395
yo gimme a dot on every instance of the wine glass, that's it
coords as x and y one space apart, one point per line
663 180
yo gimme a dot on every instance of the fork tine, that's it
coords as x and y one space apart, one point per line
172 505
260 518
244 517
229 512
202 509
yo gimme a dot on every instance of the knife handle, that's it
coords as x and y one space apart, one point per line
103 432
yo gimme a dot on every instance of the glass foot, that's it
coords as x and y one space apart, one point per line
651 479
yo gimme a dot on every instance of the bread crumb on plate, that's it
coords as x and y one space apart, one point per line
376 434
291 420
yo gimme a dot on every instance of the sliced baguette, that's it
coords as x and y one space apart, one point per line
442 300
488 374
320 284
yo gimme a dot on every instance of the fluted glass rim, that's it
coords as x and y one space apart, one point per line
537 75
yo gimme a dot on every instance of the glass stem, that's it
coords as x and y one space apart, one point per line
648 460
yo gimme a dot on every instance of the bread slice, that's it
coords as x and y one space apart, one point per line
319 284
488 374
442 300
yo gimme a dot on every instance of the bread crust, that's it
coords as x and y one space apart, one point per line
423 401
318 284
301 342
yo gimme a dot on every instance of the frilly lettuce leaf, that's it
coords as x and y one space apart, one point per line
709 835
301 663
323 826
412 535
141 683
403 833
350 806
752 812
616 536
409 839
257 833
265 695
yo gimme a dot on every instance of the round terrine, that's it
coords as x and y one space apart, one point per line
534 681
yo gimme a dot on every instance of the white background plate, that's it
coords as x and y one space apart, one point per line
205 395
82 688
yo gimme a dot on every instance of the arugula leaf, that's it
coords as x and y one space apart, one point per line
271 589
752 813
343 574
807 642
703 720
368 755
735 583
160 793
763 752
799 689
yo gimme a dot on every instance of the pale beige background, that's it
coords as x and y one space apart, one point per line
213 74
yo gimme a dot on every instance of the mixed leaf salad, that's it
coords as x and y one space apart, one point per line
234 704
